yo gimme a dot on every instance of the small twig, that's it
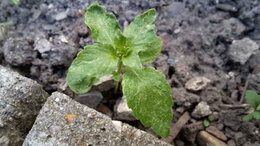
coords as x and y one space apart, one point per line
176 128
234 106
244 90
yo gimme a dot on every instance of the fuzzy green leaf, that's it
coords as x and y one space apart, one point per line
6 24
104 27
248 117
132 60
206 123
149 96
16 1
143 38
256 115
252 98
211 118
92 63
258 108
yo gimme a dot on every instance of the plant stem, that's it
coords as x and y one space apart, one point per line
119 71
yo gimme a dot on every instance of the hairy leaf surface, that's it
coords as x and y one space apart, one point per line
132 60
248 117
149 96
16 1
256 115
92 63
143 38
104 27
258 107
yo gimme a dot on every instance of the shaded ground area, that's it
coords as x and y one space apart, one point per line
216 43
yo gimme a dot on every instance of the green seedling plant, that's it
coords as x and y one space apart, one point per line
16 1
3 29
123 54
207 121
6 24
253 99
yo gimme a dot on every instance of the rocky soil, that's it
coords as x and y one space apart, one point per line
215 45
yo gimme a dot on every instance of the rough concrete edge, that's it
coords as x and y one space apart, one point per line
124 127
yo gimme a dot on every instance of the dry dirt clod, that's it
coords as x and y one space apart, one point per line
241 50
181 96
197 83
18 52
205 139
201 110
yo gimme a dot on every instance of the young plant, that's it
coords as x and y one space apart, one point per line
5 24
16 1
123 54
207 121
253 99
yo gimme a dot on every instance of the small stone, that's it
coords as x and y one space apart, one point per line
231 143
42 45
181 96
205 139
122 111
197 83
63 39
180 110
241 50
226 7
91 99
105 83
201 110
118 125
62 15
214 131
233 27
